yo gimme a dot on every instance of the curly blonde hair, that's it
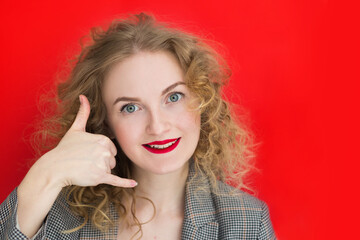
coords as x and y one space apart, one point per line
224 151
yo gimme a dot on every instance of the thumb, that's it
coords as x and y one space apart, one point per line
82 115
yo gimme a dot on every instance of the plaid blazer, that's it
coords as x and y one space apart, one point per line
207 216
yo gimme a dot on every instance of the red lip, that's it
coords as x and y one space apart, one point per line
161 151
160 142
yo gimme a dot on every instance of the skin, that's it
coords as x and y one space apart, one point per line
159 110
86 159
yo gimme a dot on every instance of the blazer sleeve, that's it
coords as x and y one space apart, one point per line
266 230
8 220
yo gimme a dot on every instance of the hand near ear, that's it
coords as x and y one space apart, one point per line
86 159
80 158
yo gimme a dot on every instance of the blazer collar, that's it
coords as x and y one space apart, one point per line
199 218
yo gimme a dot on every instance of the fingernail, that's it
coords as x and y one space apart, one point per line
133 183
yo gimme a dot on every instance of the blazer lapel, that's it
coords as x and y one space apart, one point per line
199 219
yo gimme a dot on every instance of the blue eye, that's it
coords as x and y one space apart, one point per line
129 108
175 97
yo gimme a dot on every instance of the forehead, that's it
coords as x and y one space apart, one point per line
142 73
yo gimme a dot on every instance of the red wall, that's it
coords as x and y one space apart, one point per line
280 54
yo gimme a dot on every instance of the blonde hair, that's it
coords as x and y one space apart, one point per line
224 150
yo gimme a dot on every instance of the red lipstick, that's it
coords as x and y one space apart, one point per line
164 150
161 142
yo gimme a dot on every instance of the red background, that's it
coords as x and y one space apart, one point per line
294 64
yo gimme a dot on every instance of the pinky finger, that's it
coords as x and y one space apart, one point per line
118 181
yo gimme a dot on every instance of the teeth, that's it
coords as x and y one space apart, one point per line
163 146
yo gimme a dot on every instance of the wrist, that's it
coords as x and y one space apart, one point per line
42 179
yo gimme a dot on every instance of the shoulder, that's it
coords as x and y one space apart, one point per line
241 214
228 197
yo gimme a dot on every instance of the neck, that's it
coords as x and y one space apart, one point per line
166 191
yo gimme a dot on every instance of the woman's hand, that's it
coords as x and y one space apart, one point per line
80 158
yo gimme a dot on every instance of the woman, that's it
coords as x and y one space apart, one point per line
145 152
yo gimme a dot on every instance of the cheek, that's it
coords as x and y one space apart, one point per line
190 121
186 114
128 132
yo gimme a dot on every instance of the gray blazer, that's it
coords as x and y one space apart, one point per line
207 216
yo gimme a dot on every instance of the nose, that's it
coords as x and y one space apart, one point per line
158 122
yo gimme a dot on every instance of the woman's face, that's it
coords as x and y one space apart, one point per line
147 103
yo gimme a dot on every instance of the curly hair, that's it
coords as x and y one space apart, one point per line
224 151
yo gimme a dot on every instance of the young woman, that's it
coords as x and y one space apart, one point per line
145 146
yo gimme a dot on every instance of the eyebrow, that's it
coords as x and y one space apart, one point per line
130 99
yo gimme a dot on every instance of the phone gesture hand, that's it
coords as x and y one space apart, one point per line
83 158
